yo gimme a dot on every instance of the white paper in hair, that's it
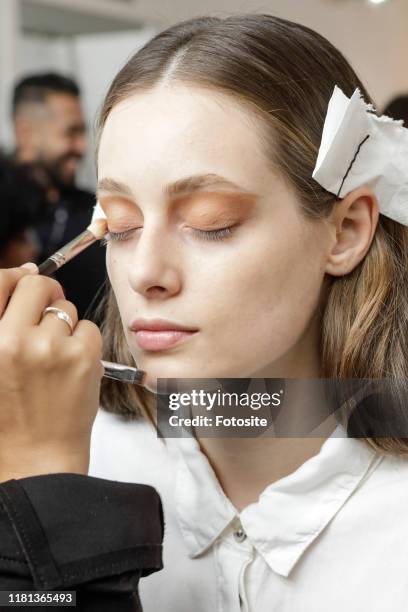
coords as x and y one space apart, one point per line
98 213
358 148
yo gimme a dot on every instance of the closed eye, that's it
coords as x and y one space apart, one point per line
115 237
218 234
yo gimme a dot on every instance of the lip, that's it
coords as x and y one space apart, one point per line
160 334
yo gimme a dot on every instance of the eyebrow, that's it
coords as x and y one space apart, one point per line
181 187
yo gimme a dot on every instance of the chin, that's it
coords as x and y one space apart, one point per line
150 383
170 368
67 178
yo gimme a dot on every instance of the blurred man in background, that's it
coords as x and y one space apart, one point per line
50 127
19 212
50 136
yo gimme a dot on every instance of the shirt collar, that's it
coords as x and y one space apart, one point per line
289 514
203 509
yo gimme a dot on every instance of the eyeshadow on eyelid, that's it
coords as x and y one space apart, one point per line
119 210
215 218
226 206
116 222
213 206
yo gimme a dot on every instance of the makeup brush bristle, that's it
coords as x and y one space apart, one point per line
98 228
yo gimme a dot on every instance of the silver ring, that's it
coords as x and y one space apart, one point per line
61 314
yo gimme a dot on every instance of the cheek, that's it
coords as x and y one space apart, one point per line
270 291
116 274
116 265
110 265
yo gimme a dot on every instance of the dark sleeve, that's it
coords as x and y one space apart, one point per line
73 532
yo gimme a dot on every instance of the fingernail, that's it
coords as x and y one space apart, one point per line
30 266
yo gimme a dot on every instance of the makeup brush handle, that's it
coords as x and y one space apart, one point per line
122 373
48 267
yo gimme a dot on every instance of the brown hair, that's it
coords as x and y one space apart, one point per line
285 73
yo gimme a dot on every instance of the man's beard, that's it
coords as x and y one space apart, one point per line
55 170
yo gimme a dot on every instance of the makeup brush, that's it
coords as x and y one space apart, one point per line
93 232
123 373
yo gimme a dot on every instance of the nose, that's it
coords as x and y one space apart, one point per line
155 267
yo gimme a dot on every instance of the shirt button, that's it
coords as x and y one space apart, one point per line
239 535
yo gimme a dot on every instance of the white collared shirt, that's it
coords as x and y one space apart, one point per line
331 536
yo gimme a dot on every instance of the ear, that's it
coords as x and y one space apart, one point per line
354 220
22 127
25 134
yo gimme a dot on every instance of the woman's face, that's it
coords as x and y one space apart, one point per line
176 164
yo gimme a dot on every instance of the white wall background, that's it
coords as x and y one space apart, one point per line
97 58
41 53
373 37
93 60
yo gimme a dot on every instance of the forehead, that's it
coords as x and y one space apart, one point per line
65 106
178 129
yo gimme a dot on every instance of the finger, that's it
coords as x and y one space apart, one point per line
90 335
33 293
8 281
55 326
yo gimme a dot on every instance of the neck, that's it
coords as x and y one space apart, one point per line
246 466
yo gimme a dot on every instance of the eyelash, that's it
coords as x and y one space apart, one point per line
220 234
114 237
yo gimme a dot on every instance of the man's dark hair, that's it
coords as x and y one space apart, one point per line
37 87
398 109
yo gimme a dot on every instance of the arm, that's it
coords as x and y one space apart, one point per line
74 532
60 529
